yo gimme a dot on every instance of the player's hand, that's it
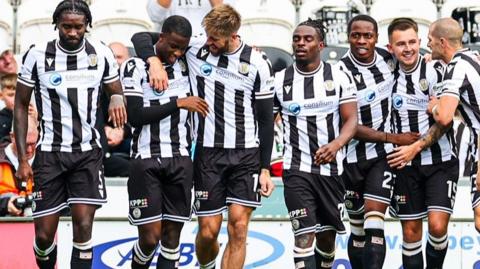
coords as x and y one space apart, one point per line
326 153
427 57
24 171
266 183
12 210
114 135
433 102
401 156
117 112
157 74
404 138
193 104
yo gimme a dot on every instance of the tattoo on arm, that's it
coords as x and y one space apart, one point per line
433 134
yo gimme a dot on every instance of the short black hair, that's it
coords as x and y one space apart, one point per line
362 17
177 24
73 6
317 25
402 24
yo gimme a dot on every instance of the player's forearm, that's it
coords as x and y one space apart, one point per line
434 133
349 128
368 134
138 115
263 110
20 121
143 44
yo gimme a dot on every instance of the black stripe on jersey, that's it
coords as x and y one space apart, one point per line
396 74
413 124
154 133
449 70
239 119
439 70
50 53
135 136
308 92
170 72
377 75
98 124
357 76
366 116
387 56
201 94
398 121
26 53
256 83
312 136
435 148
72 96
218 104
474 106
106 70
294 141
90 50
327 76
331 137
423 75
174 130
379 147
288 84
410 86
222 61
56 119
129 69
471 62
71 62
38 97
203 53
246 54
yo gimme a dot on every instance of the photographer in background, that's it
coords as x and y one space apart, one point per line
14 198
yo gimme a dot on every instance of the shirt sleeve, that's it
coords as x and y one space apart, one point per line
131 79
453 80
156 12
348 91
264 80
29 63
110 73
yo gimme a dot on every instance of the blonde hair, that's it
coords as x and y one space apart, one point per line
223 20
8 80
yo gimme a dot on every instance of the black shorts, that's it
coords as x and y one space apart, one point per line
421 189
372 179
314 202
64 178
223 177
475 194
160 189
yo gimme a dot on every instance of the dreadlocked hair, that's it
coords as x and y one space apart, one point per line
74 6
317 25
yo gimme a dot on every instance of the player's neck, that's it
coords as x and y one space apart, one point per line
69 47
234 44
410 67
450 52
308 67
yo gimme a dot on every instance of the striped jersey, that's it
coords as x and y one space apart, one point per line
309 105
67 92
170 137
374 83
462 80
230 84
411 94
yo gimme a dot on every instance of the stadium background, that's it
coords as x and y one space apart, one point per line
267 24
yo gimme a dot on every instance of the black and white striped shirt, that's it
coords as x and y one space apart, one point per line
230 84
66 85
462 80
411 94
171 136
309 104
374 83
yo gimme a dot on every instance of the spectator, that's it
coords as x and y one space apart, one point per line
8 84
9 187
8 64
120 52
194 11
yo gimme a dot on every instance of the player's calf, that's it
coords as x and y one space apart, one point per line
45 258
375 249
412 257
82 255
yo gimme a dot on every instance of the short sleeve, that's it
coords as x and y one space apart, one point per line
131 79
348 91
110 73
156 12
264 80
453 80
29 63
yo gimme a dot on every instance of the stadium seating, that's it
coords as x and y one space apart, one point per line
6 20
118 20
424 12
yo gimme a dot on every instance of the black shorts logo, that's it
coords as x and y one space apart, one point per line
298 213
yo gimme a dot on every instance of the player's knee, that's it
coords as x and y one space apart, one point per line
437 229
148 240
207 235
237 230
43 239
171 239
304 241
410 234
82 230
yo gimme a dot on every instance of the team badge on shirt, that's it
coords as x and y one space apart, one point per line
391 65
92 60
423 85
329 85
243 68
182 64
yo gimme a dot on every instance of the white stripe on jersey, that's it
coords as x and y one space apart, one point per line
230 84
66 92
374 83
462 81
309 104
171 136
411 94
